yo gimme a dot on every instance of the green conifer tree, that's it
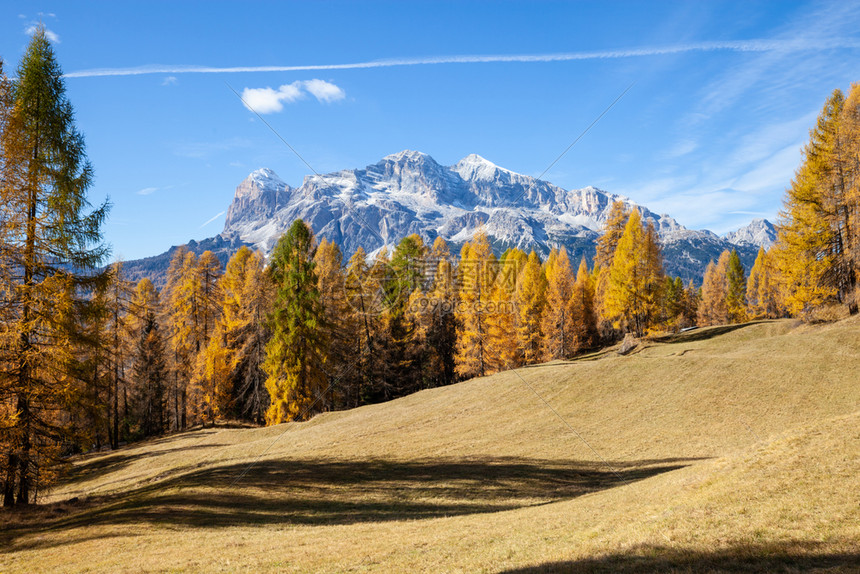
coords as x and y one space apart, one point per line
297 351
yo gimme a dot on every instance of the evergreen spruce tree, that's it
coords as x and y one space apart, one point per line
297 351
405 353
736 287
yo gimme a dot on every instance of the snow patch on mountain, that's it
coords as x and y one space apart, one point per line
409 192
759 233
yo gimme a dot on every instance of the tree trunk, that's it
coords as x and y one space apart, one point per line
9 487
24 458
184 397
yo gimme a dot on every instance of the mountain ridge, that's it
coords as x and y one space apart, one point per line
409 192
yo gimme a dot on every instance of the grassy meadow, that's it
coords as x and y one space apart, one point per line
721 449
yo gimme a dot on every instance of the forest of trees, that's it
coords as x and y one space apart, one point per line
90 360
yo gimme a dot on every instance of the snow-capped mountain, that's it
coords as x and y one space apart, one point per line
409 192
759 233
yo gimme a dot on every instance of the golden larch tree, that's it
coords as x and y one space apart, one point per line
558 325
713 309
475 291
531 299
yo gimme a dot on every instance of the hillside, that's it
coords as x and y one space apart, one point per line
728 448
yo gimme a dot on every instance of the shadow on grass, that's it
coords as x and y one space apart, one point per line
796 556
105 463
703 333
326 492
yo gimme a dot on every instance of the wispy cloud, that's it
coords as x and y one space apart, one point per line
756 45
324 91
147 191
268 100
169 81
49 34
213 218
727 170
203 150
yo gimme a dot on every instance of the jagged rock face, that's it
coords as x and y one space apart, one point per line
759 233
258 197
409 192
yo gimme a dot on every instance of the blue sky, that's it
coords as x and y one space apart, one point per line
723 95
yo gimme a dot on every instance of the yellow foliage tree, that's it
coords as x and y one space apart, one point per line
232 360
531 299
476 287
184 319
763 298
817 239
582 313
604 257
558 324
634 278
339 323
434 313
713 309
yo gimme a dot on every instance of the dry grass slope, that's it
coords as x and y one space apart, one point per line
724 449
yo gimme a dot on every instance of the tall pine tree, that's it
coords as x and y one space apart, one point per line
297 351
52 248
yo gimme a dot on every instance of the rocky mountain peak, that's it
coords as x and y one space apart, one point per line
409 192
759 233
474 167
258 196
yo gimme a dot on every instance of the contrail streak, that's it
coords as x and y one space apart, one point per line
211 219
799 45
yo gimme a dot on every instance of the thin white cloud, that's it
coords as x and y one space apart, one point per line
324 91
681 148
211 219
50 35
169 81
267 100
147 191
783 46
772 173
205 149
